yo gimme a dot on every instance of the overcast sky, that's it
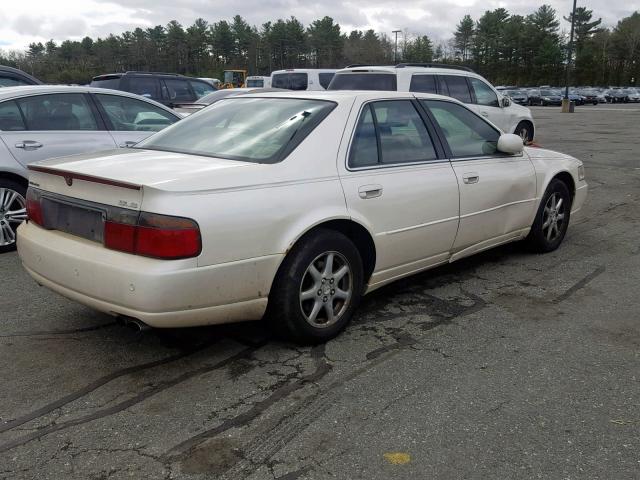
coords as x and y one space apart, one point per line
26 21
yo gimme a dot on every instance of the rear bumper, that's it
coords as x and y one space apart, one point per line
160 293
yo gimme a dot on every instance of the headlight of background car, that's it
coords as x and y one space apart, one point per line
581 175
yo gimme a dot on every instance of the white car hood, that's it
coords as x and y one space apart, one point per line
160 170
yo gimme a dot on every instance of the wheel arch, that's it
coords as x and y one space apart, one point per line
565 177
354 231
14 177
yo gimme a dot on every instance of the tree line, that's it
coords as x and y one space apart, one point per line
506 48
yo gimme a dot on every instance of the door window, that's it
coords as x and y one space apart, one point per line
58 111
10 118
129 114
290 81
399 131
325 79
12 82
457 87
484 93
201 88
178 90
364 81
146 86
423 84
466 133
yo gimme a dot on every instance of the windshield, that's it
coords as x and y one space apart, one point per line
363 81
255 83
260 130
550 93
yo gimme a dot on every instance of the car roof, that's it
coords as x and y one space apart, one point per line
27 90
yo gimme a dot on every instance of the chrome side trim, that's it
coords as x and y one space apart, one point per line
529 200
422 225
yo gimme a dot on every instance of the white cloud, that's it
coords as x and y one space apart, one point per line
38 20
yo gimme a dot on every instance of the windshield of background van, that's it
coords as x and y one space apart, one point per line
261 130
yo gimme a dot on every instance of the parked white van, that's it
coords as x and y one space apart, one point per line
454 81
302 78
257 81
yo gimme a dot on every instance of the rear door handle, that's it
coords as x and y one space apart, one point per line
127 144
370 191
484 114
29 145
470 177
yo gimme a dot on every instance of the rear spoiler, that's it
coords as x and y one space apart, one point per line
71 176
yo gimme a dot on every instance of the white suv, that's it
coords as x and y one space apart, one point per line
458 82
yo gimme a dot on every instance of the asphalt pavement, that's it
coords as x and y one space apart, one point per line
506 365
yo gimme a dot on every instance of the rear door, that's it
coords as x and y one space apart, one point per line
130 120
55 125
399 185
497 191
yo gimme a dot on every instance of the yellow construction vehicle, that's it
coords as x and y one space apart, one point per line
234 79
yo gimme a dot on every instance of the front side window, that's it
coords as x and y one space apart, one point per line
466 133
10 118
58 111
146 86
201 88
178 90
364 81
12 82
398 129
484 93
457 87
259 130
129 114
423 84
325 79
290 81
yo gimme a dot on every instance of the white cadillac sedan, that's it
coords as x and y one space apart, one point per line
289 206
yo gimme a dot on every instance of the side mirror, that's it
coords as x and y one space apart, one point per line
506 101
510 143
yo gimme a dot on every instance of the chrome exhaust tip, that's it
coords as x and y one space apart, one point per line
135 324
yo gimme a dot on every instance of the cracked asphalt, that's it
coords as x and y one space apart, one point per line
505 365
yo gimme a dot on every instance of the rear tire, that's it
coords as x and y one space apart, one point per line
552 219
12 212
317 288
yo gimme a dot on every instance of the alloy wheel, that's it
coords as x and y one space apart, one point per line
553 217
13 212
326 289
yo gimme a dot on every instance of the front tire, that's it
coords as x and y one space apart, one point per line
525 131
13 211
552 219
317 288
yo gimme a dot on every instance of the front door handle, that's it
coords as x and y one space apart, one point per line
370 191
29 145
484 114
470 177
127 144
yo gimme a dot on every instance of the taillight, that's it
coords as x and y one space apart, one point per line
154 235
34 207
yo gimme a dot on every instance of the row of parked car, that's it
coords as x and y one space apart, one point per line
544 96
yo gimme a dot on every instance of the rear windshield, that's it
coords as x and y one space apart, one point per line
106 82
364 81
290 81
255 83
259 130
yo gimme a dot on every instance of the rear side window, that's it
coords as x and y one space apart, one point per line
290 81
178 90
457 87
130 114
201 88
466 133
364 81
10 118
106 82
58 111
423 84
325 79
484 93
391 132
146 86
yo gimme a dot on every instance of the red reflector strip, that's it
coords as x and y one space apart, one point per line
86 178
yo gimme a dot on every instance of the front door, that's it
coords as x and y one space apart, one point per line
399 185
54 125
497 191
